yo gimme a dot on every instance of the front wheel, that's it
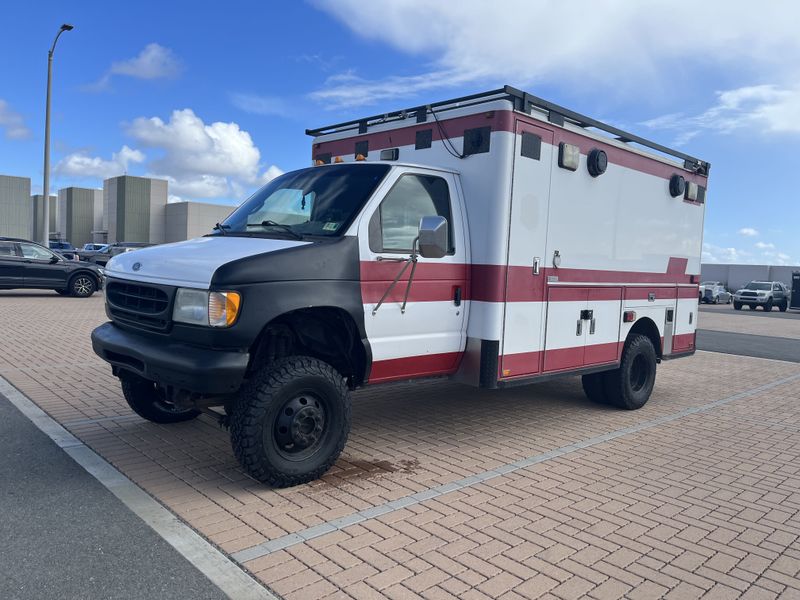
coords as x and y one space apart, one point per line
149 401
291 421
630 385
82 286
737 306
768 306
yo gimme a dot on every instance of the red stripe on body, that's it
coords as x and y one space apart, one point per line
503 120
689 292
524 364
683 341
643 293
409 367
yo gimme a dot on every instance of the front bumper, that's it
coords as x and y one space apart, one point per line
201 370
751 299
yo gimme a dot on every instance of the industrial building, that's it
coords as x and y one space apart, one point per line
134 209
187 220
80 214
16 216
37 206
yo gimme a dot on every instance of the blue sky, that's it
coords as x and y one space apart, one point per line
216 97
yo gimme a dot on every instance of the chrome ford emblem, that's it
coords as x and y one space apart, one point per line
137 266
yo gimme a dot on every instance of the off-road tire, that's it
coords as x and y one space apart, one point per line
261 409
630 385
768 306
784 305
737 305
594 388
148 401
82 285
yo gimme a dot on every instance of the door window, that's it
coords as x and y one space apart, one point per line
35 252
7 249
395 224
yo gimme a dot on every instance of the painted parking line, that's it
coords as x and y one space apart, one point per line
223 572
320 530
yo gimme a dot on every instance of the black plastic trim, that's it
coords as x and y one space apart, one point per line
490 356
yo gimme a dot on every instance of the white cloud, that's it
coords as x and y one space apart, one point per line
762 108
765 246
153 62
12 122
199 160
748 232
619 45
80 164
260 105
720 254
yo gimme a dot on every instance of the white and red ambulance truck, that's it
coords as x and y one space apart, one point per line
497 239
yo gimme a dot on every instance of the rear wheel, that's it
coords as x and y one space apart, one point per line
291 421
784 305
630 385
149 401
82 285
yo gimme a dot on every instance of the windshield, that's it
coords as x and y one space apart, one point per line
313 201
754 285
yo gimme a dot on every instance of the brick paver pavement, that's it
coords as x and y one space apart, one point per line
724 318
696 495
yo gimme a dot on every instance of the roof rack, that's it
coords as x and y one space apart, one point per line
523 102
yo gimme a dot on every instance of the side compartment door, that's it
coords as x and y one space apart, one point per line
523 327
603 331
427 336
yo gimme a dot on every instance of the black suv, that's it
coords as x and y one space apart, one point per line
26 264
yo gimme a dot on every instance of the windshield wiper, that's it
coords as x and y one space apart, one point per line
271 223
221 228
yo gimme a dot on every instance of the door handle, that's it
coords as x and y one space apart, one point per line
591 326
457 296
536 261
579 328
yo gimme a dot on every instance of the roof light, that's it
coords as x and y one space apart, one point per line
319 163
677 185
569 156
691 191
338 160
597 162
360 157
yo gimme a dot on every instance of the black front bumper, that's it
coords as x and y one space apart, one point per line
201 370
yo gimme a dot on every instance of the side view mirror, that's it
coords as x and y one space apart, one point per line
433 237
54 259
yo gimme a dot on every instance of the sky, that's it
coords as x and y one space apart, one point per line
215 97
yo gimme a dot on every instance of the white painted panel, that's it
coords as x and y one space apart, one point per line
524 324
562 321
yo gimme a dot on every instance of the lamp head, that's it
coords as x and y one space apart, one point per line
67 27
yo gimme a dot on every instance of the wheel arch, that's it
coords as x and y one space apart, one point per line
647 327
328 333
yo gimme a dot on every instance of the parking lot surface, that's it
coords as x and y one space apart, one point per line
445 491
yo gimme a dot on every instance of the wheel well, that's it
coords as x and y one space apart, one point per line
646 326
83 272
327 333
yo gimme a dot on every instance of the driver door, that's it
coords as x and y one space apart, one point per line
40 270
426 336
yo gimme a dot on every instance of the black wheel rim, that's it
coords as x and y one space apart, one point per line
82 286
640 372
300 426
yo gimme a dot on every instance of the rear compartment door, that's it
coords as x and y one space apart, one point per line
523 328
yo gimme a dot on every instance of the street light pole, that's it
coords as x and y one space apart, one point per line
46 186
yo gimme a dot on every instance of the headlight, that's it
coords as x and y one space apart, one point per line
199 307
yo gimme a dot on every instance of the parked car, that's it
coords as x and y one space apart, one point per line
90 250
714 292
26 264
765 294
101 257
64 248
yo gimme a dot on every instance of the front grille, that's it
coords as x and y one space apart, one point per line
138 305
749 294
